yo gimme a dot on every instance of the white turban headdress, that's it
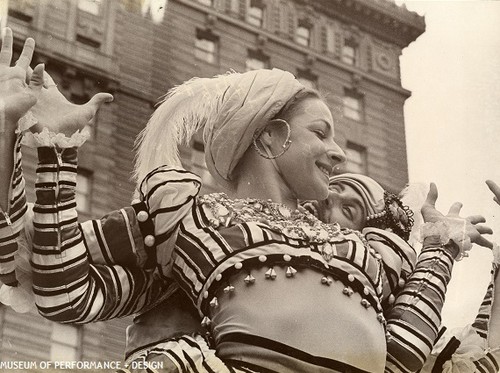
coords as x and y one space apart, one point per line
230 108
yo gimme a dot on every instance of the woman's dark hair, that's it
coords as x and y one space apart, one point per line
288 111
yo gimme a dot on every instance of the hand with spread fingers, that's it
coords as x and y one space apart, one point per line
17 97
469 227
54 112
495 189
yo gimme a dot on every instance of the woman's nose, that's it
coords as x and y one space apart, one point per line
336 154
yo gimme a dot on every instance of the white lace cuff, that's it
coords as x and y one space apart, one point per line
496 255
51 139
27 121
451 229
24 123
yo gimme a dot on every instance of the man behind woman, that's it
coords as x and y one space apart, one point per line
255 264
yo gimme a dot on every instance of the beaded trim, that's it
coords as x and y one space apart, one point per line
292 265
298 224
395 216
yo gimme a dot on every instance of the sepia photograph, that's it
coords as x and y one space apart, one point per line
258 186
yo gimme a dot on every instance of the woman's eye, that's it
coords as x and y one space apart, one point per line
320 134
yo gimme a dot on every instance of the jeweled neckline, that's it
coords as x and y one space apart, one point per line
297 224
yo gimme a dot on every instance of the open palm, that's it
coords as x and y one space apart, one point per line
471 225
54 112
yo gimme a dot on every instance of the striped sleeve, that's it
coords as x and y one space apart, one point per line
169 194
115 239
67 287
11 221
482 321
413 323
398 257
490 362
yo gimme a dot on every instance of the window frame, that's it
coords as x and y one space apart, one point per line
350 44
303 24
200 52
359 167
98 3
257 55
350 94
57 343
256 4
204 2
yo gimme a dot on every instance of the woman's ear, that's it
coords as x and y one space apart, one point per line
275 132
267 136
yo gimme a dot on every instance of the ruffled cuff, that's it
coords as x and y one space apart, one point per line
18 298
472 349
496 255
27 121
51 139
451 229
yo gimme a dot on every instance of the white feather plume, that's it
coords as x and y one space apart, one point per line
183 111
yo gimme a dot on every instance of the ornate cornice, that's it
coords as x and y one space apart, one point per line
381 17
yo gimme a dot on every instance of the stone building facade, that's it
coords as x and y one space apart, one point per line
137 50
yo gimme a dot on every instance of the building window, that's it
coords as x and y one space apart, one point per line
233 7
303 34
255 13
154 9
350 52
65 340
353 105
22 10
88 41
206 46
206 2
90 6
256 60
356 158
83 190
308 79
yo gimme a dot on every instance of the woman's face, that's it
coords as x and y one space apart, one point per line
308 163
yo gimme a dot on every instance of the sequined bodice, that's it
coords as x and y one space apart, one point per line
223 236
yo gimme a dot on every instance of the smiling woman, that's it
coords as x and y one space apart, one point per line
254 263
303 170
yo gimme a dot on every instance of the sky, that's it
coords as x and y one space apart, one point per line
453 125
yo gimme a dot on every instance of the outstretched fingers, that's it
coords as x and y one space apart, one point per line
89 110
6 51
483 229
495 189
475 219
48 82
36 78
432 196
26 54
455 209
97 100
481 241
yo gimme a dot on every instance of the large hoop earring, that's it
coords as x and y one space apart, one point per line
285 145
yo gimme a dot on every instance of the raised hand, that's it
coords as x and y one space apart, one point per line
54 112
17 96
495 189
470 225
